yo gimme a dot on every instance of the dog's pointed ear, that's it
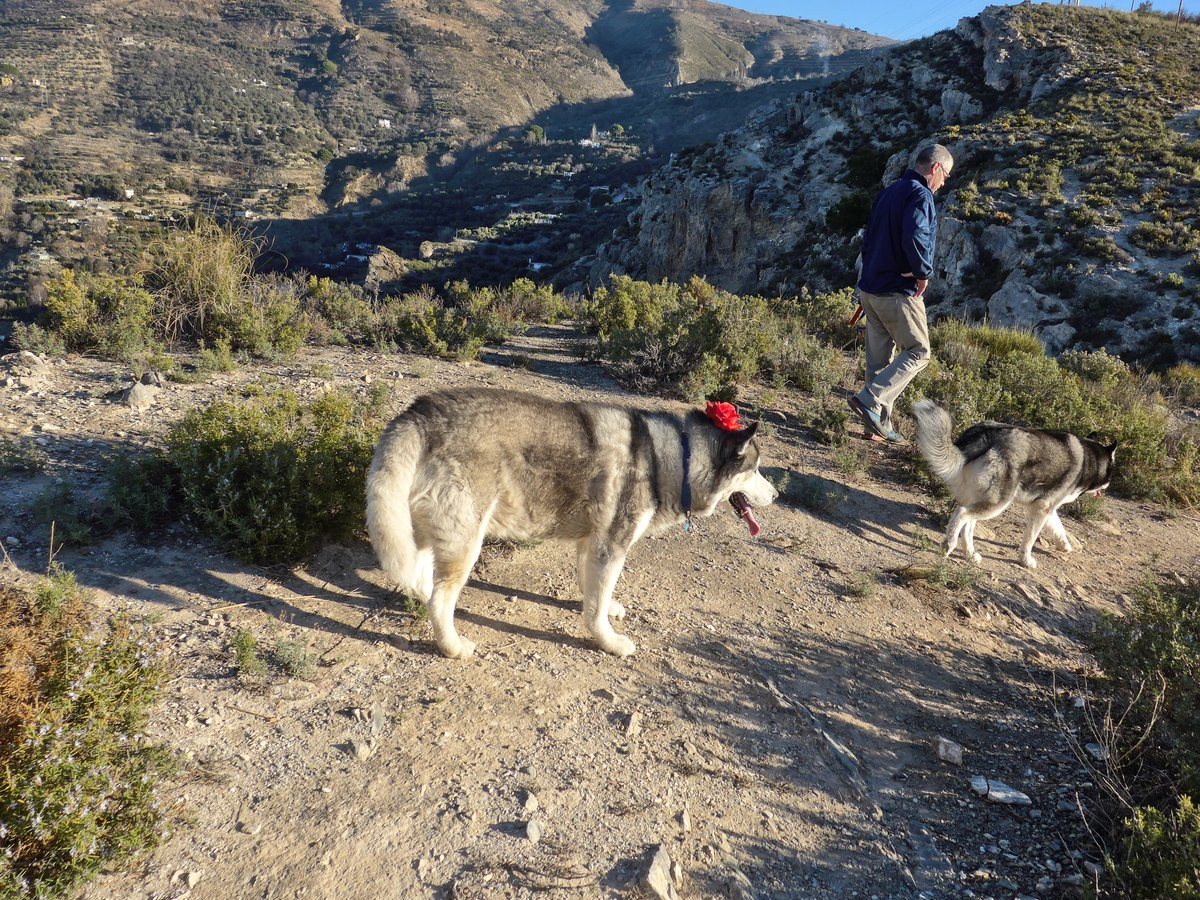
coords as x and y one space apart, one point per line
738 441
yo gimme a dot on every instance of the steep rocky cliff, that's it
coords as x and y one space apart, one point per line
1072 209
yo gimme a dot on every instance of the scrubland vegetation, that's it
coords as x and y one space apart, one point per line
78 775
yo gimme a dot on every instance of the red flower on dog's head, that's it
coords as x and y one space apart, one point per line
724 416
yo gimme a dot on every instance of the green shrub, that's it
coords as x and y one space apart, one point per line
1160 853
103 313
802 361
1096 366
1158 644
37 339
826 315
204 282
19 456
812 492
1184 381
1151 663
267 319
269 476
295 659
245 654
863 586
343 307
1165 238
78 777
143 492
693 340
74 521
217 358
850 213
422 322
830 423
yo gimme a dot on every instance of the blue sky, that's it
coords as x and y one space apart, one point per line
903 20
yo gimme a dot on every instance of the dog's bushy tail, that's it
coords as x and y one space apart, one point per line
389 493
935 438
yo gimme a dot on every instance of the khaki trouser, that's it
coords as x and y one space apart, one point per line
893 321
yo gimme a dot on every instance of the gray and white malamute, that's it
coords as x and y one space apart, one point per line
992 465
462 465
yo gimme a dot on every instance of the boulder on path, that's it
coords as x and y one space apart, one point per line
141 396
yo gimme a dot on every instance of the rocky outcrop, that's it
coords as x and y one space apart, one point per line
750 212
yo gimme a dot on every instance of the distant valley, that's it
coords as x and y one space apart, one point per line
479 141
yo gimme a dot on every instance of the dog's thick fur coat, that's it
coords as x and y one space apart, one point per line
461 465
992 465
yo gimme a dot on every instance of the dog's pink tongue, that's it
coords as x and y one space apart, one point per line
751 522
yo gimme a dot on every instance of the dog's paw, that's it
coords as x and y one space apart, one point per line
976 557
460 648
1029 562
616 610
618 645
1066 547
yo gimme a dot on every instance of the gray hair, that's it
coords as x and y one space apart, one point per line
933 153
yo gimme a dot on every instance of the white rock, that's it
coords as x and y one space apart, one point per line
141 396
998 792
534 830
634 727
949 751
657 877
193 878
531 804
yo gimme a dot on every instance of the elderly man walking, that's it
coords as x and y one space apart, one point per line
897 262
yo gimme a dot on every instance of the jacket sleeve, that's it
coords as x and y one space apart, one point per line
917 235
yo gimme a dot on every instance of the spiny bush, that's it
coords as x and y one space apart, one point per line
343 310
1151 664
78 777
423 322
803 361
694 339
1183 381
270 476
37 339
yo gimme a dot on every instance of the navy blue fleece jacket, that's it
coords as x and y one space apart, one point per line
900 237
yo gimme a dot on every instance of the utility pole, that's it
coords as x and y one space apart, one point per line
1179 15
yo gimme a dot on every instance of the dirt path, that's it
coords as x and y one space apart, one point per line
774 732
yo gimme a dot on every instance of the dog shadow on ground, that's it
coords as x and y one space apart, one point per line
884 702
882 521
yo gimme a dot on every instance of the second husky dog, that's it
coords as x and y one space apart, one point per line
462 465
992 465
